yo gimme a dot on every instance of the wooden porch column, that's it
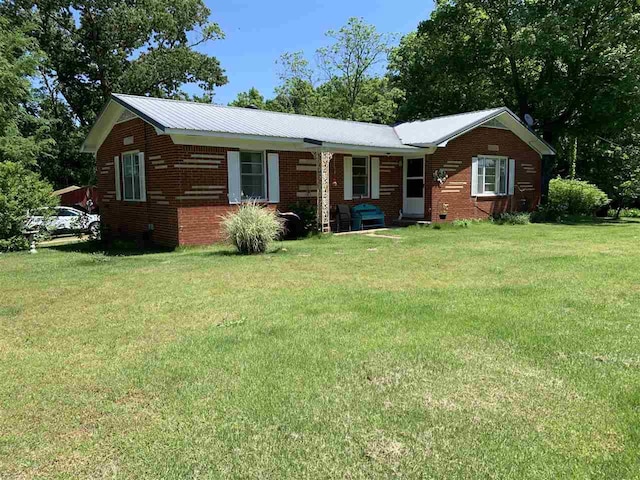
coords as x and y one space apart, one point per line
323 159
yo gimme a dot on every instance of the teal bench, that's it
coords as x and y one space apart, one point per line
372 215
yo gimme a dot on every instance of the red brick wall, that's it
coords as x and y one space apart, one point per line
132 219
462 150
199 221
199 218
390 201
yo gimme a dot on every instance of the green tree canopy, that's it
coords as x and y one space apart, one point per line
346 82
250 98
573 65
92 48
614 165
23 135
21 191
96 47
349 63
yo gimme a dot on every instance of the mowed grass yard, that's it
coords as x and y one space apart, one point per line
492 351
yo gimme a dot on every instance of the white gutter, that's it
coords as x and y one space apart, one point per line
296 142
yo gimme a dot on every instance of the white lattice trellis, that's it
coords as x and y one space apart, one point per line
323 160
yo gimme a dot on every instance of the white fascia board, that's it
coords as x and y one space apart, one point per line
513 123
442 142
102 127
510 120
338 147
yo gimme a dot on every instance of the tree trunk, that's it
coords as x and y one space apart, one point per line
547 133
573 156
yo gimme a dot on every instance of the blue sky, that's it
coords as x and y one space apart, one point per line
257 32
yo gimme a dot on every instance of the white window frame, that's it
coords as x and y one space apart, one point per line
141 175
367 164
265 175
495 192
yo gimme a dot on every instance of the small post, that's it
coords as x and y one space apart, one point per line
31 238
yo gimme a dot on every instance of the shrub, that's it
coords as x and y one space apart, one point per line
307 213
463 223
542 215
252 228
13 244
507 218
21 190
574 197
625 212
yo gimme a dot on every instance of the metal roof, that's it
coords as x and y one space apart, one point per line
173 115
176 117
440 129
62 191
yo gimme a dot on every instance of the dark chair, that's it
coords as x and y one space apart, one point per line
343 218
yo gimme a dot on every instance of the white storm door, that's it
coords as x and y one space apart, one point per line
413 173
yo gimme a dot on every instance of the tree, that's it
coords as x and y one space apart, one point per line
23 135
295 96
573 65
21 190
95 47
345 82
350 61
65 165
251 98
614 166
296 92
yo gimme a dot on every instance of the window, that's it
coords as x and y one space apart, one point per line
65 212
132 176
252 175
492 176
360 176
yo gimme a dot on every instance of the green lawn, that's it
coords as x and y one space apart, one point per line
493 351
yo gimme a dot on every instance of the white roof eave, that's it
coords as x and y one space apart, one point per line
296 143
442 142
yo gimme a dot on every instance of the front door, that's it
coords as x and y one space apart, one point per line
413 187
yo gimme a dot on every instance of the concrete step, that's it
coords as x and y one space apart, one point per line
406 222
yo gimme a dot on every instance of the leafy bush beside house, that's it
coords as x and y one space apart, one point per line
624 212
574 197
21 190
307 212
252 228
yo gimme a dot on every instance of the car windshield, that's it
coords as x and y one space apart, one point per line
66 212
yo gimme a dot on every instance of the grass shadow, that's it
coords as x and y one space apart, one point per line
119 249
593 221
230 252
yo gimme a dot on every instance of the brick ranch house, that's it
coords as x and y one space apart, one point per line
170 169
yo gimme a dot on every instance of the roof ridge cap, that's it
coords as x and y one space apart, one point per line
230 107
452 115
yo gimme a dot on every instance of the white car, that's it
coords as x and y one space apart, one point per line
65 220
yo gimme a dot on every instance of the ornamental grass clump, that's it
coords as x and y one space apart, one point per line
252 228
